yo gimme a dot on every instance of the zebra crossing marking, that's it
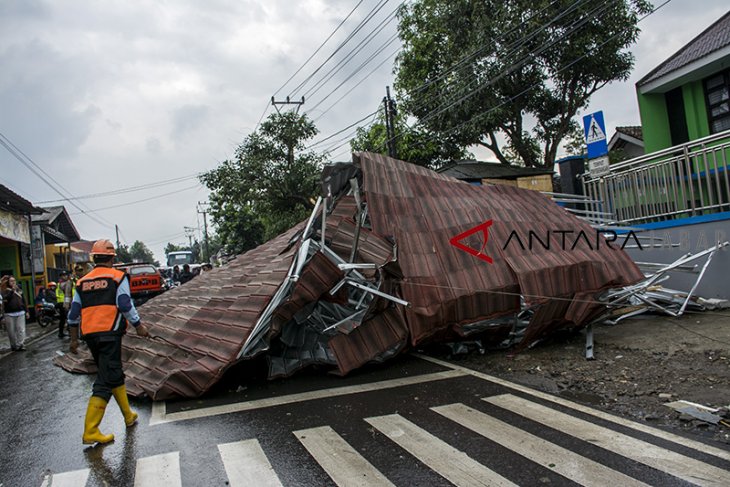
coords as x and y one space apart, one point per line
76 478
452 464
158 471
673 463
680 440
160 416
344 465
246 464
569 464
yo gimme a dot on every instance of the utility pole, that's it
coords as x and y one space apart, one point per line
202 208
390 114
287 101
116 227
189 232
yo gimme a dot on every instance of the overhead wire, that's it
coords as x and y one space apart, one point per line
320 47
158 196
370 15
39 172
464 59
351 55
131 189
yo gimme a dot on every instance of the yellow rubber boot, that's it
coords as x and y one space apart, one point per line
120 394
94 415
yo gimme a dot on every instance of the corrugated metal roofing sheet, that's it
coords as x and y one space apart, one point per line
320 316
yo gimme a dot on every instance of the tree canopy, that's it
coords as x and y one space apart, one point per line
137 252
522 69
268 186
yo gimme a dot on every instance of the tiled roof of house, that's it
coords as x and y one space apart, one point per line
14 203
632 131
713 38
469 170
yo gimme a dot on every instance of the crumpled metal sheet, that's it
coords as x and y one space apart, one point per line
296 300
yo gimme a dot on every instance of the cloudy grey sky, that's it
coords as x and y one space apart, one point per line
105 96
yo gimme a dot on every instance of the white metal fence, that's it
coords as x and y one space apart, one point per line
681 181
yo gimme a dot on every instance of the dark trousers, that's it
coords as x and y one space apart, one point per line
61 318
107 353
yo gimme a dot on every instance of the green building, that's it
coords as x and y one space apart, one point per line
686 97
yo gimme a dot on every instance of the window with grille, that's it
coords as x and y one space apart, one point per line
717 92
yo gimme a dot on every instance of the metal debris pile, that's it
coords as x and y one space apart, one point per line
374 271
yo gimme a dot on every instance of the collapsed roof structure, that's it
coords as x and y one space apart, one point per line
393 256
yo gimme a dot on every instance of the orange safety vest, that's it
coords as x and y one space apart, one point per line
98 293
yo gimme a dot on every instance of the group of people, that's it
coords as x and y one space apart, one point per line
14 309
60 294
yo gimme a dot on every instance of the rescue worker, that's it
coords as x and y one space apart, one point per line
103 306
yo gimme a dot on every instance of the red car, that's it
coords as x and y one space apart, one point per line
145 280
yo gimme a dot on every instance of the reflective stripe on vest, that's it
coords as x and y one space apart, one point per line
59 294
98 293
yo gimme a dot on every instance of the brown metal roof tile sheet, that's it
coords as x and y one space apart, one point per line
386 332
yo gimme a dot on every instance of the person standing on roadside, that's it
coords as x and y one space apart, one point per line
64 292
102 307
16 312
67 289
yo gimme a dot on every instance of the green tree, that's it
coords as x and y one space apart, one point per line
270 185
140 253
123 254
475 70
412 144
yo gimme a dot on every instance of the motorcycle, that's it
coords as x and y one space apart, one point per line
45 313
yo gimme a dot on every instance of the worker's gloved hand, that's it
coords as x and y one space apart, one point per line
74 346
142 330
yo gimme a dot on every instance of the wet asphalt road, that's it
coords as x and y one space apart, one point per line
42 410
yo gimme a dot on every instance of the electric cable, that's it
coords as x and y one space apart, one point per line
130 189
122 205
319 48
351 55
360 26
24 159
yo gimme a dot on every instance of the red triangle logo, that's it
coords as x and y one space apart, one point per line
484 228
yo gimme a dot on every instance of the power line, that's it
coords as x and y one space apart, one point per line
464 59
357 84
24 159
146 199
319 48
351 55
357 29
130 189
390 41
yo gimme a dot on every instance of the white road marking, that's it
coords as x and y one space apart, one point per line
246 465
76 478
158 471
575 467
454 465
162 417
680 440
668 461
341 461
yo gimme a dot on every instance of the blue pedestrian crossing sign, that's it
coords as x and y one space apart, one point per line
595 133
